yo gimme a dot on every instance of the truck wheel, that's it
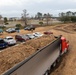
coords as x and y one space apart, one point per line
58 59
6 46
66 50
46 73
53 65
31 30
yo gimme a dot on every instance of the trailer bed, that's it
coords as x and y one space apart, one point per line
11 56
39 62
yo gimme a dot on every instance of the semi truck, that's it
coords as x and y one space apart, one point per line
42 61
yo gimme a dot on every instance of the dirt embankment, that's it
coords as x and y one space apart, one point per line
69 28
13 55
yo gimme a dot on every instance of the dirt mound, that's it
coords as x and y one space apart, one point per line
13 55
68 28
71 27
40 42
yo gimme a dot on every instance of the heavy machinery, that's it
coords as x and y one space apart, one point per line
42 61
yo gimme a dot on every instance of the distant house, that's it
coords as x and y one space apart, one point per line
14 18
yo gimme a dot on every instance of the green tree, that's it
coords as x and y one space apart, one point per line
69 13
45 15
68 16
5 20
73 18
18 25
39 15
62 16
41 23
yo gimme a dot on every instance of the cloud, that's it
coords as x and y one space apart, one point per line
15 7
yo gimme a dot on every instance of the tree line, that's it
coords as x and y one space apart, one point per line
39 16
67 16
24 17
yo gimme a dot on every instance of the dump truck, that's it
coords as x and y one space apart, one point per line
43 60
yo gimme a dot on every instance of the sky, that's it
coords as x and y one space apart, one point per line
14 8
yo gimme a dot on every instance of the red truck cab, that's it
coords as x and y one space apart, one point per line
64 45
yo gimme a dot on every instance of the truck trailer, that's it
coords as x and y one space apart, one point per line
42 61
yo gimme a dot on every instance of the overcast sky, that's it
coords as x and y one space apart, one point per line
14 8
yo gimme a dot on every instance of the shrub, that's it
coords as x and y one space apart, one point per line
18 25
6 23
2 27
41 23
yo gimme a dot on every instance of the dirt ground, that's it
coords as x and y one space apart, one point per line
68 64
40 29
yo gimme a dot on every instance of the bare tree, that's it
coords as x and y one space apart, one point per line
0 17
47 16
24 16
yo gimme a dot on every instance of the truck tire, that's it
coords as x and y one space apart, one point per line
54 64
47 72
6 46
34 29
65 51
58 59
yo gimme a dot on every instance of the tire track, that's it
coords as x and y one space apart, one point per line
68 65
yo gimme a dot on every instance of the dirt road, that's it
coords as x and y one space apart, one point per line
68 64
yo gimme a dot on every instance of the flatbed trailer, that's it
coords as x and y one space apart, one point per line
42 61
